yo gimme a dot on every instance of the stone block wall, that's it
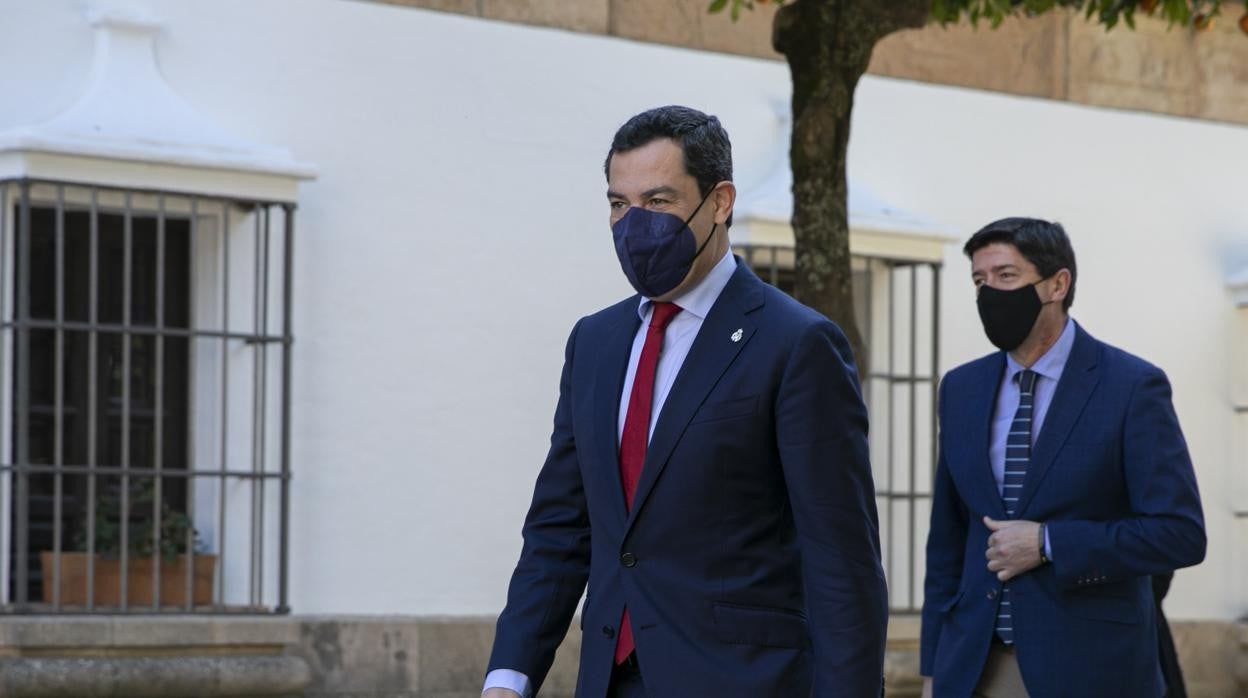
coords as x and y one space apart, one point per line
391 657
1202 75
446 658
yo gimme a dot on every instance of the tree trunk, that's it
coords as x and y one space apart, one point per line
828 45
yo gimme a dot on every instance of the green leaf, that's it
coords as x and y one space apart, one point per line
942 12
1178 12
1039 7
717 6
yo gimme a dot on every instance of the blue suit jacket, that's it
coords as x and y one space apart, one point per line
750 561
1111 477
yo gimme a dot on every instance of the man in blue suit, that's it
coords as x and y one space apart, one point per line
1063 483
708 474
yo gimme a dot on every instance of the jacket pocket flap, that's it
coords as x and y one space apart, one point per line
728 409
754 625
1109 608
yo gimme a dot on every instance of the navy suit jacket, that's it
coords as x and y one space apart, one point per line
750 560
1111 477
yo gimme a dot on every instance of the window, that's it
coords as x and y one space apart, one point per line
896 306
147 400
1238 286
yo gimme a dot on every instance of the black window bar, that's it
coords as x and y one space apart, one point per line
118 435
897 307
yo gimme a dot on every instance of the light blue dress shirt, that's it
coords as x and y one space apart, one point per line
1049 369
695 305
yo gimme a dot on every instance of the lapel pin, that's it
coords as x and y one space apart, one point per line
736 336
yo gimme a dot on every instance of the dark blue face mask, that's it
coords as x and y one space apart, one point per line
656 250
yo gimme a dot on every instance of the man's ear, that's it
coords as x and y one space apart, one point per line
1061 288
725 196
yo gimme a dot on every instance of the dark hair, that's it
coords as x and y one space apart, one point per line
1042 243
702 139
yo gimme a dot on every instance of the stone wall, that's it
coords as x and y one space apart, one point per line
390 657
1202 75
149 657
446 658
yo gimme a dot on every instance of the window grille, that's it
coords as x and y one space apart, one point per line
897 308
146 354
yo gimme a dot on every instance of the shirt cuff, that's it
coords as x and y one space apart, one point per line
509 679
1048 550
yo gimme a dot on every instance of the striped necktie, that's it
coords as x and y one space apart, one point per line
1017 458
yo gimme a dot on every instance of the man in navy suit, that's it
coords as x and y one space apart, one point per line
708 474
1063 483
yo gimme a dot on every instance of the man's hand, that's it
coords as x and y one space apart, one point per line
1013 547
500 693
927 687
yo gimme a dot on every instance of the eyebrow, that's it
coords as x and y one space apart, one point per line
998 268
659 190
670 191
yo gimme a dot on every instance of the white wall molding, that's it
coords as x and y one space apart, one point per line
129 128
764 212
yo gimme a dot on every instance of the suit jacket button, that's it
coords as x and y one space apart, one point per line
628 560
608 632
992 594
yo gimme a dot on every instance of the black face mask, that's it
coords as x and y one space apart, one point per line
1008 316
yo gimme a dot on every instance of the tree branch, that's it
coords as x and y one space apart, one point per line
803 24
895 15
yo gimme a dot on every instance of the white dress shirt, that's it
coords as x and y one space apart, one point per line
678 338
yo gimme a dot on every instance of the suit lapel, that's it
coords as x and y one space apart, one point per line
1079 379
979 435
713 351
613 365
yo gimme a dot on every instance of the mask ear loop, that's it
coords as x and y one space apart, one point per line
1044 302
714 227
708 240
699 208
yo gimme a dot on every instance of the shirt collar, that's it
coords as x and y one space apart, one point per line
698 300
1054 360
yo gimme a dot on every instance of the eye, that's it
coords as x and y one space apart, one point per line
618 205
978 282
656 201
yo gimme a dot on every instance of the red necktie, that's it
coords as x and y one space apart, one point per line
636 435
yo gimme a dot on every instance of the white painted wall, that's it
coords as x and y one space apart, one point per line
458 229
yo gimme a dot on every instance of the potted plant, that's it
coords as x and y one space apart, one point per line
176 529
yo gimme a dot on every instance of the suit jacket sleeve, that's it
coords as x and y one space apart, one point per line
1165 529
554 562
821 429
946 547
